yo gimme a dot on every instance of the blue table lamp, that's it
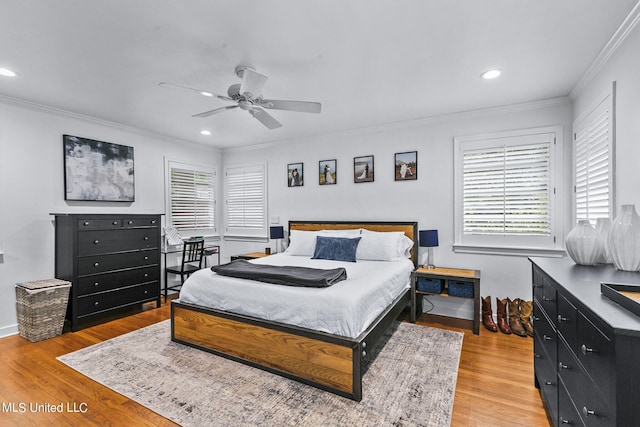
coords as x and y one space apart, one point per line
428 239
276 233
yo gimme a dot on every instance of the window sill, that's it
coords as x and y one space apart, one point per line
240 238
509 251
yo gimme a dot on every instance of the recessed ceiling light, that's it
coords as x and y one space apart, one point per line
205 132
206 93
7 72
491 74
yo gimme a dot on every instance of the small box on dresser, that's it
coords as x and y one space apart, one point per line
111 260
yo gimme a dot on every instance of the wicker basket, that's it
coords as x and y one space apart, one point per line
41 307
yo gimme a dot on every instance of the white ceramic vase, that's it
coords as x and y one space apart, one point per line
603 226
583 245
624 239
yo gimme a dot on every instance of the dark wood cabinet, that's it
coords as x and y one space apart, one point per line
585 345
112 262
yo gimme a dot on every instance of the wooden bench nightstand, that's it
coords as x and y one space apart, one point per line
449 279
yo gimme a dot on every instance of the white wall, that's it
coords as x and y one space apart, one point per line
32 187
623 67
429 200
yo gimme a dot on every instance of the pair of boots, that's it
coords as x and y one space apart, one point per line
519 316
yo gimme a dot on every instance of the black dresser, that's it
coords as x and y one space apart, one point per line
586 347
112 262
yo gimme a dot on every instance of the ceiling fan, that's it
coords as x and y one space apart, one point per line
247 96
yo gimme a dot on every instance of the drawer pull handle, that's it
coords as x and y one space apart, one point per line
146 292
146 274
146 238
153 221
115 222
548 382
563 421
86 223
586 412
536 319
364 353
586 350
546 337
95 242
96 303
130 222
561 318
537 356
96 264
96 284
146 258
546 299
562 366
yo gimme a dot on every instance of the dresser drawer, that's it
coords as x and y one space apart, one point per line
102 263
96 303
568 415
596 352
593 408
549 299
98 224
118 279
567 322
545 334
106 241
142 221
545 371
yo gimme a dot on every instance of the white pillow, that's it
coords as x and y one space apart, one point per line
302 243
341 233
383 246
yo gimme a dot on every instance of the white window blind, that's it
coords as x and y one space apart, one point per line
505 192
192 199
593 168
246 201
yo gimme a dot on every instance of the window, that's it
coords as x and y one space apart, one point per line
191 196
593 163
246 201
505 192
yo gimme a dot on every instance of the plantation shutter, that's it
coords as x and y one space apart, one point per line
246 213
593 169
506 190
192 198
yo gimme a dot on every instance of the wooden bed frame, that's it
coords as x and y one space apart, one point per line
329 362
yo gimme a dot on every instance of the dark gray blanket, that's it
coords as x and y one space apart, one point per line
282 275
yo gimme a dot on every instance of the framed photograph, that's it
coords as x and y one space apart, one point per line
97 170
363 169
328 172
295 175
406 166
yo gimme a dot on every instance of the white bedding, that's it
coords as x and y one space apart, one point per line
346 308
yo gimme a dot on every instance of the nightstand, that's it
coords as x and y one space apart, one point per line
454 282
252 255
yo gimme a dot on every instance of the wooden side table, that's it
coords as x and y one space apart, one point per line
252 255
446 274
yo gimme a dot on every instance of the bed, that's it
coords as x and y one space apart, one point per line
283 339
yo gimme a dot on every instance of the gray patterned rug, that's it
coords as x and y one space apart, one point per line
411 382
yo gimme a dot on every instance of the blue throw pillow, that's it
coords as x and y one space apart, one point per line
336 248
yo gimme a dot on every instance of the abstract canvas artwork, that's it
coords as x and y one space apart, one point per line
97 170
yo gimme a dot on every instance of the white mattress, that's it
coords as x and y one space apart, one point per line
346 308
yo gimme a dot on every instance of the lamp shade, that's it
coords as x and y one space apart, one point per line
276 232
428 238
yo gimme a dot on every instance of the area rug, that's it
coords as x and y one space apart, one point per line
411 382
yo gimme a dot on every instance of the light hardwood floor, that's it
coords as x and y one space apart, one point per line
495 382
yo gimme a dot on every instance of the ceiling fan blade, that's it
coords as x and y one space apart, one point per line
215 111
252 83
198 91
300 106
265 118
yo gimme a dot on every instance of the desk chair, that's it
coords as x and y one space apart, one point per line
192 253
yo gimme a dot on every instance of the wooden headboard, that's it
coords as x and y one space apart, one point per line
410 229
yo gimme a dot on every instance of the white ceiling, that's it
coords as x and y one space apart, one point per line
369 62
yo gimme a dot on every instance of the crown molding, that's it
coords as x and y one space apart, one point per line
407 124
34 106
618 38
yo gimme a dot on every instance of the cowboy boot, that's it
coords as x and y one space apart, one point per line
514 317
502 316
487 315
526 310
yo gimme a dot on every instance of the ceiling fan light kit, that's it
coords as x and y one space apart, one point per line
247 95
